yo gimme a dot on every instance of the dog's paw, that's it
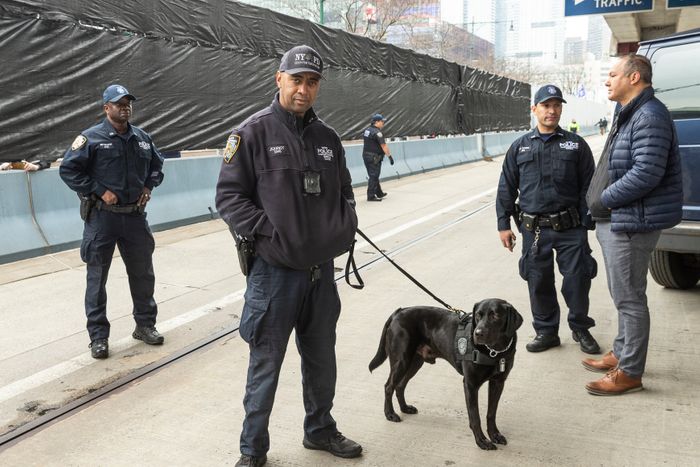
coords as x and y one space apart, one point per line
485 444
498 438
392 417
409 409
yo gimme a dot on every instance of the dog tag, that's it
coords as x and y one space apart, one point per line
502 365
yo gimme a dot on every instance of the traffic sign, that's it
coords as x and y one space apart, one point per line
681 3
600 7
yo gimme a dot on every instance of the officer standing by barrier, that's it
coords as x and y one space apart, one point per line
374 150
286 194
113 167
550 170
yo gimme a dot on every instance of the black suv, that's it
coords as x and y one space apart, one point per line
676 75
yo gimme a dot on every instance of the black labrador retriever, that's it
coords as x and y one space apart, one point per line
484 351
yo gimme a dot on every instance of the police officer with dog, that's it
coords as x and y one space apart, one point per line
114 166
373 152
548 171
286 194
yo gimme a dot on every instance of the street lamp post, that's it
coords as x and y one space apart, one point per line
321 2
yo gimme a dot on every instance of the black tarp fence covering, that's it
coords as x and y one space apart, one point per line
199 67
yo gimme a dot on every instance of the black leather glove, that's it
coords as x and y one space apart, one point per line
391 160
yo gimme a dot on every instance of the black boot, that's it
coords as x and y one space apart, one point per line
148 334
586 341
99 348
542 342
336 444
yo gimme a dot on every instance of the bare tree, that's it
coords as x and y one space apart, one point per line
569 77
366 18
307 10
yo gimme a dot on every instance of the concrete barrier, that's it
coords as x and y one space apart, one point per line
20 234
496 144
39 214
186 194
56 210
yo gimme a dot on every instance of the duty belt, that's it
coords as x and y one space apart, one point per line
562 220
118 208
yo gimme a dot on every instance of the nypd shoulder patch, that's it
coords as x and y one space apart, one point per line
234 141
78 142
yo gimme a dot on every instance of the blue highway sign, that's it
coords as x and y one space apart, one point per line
600 7
681 3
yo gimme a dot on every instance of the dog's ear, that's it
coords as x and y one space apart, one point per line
513 321
476 307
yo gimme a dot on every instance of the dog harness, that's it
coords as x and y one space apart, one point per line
466 351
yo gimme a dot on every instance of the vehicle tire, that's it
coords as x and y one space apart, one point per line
668 269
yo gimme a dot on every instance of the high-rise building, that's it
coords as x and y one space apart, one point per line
599 36
574 49
479 18
532 31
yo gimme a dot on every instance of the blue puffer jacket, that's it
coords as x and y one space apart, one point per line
645 191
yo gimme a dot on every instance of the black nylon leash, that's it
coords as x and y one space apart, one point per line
351 260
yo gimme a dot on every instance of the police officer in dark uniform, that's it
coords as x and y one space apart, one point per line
374 150
549 170
113 167
286 194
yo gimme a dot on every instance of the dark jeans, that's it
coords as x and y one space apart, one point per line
576 265
131 233
373 163
277 301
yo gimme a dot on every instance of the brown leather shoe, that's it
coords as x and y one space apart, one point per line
614 383
602 365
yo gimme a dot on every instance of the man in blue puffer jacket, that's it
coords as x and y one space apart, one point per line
636 192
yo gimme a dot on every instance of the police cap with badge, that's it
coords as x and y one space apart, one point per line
547 92
115 92
301 59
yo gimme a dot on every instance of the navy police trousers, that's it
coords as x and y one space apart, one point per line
373 163
278 300
576 265
131 233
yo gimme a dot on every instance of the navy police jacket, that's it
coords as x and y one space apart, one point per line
260 190
101 159
547 177
373 140
646 190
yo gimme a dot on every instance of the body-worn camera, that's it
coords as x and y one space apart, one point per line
311 182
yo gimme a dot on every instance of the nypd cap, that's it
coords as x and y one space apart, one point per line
300 59
115 92
547 92
378 118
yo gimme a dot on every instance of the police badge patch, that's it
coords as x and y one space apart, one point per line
462 345
78 142
231 147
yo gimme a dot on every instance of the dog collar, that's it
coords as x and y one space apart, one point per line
493 353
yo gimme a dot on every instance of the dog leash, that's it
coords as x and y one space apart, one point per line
351 260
